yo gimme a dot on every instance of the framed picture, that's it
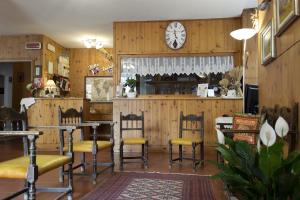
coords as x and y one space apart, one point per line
202 90
286 11
267 43
99 88
38 71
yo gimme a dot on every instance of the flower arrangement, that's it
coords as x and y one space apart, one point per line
232 81
263 173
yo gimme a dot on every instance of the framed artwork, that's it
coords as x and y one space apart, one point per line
202 90
286 11
38 71
99 88
267 43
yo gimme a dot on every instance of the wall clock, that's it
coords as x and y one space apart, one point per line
175 35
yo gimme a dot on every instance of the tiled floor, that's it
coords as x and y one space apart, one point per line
158 162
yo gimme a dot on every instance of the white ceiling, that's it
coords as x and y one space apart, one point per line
70 21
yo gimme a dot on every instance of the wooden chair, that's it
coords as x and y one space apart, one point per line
133 123
196 125
72 116
30 166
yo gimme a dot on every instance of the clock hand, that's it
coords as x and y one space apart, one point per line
175 44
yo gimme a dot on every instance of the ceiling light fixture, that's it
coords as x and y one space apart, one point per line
89 43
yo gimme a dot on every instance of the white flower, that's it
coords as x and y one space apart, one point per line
281 127
267 134
220 135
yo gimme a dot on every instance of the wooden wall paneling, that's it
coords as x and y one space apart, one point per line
279 80
45 113
162 117
212 32
13 48
80 59
52 56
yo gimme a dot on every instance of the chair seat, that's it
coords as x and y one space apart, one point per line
87 146
17 168
134 140
185 141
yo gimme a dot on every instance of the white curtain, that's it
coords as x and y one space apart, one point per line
175 65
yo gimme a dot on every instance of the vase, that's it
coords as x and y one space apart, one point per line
131 94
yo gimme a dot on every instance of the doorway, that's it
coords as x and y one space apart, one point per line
14 76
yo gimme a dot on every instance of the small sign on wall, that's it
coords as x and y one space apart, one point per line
50 67
51 48
33 45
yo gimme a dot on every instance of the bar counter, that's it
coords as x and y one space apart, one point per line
162 115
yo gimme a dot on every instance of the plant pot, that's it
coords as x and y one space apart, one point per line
131 94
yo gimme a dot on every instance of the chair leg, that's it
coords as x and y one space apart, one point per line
82 162
180 153
121 156
61 151
143 154
146 154
70 181
94 175
170 155
31 191
26 195
112 156
194 156
202 153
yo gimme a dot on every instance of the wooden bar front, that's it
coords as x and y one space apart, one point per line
45 113
162 116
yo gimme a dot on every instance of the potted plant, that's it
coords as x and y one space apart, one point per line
261 173
131 83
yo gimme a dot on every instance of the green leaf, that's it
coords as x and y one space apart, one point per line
270 159
296 168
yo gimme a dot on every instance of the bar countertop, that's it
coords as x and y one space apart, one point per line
175 97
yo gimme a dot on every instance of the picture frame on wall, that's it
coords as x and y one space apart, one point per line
267 36
286 11
99 88
38 71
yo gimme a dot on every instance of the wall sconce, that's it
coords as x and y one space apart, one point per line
89 43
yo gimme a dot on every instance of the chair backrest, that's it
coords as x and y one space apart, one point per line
191 123
245 122
11 120
131 122
70 116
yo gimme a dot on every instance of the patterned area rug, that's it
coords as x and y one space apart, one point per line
155 186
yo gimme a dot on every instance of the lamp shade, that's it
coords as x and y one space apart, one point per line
243 34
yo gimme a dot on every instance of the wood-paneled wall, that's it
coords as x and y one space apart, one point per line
279 81
12 47
80 59
45 113
162 116
52 56
206 36
251 71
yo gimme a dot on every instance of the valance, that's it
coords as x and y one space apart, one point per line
175 65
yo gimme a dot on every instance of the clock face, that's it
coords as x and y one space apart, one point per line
175 35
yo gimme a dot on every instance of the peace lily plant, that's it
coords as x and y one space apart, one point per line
261 173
